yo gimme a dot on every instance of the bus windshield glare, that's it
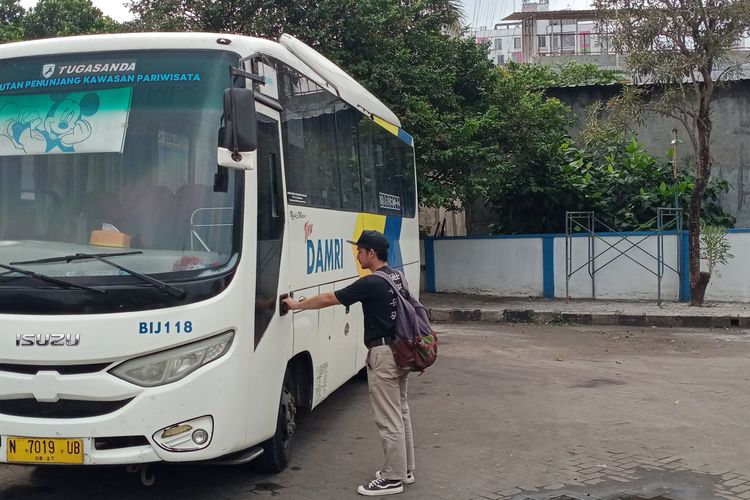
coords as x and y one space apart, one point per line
104 153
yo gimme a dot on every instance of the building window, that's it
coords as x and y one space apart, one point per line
501 60
516 42
585 42
542 41
568 42
498 44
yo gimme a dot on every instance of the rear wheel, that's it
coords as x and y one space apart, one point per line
278 450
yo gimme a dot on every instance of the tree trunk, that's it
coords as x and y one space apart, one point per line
694 244
699 280
700 290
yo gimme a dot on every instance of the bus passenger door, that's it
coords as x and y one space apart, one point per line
336 339
306 338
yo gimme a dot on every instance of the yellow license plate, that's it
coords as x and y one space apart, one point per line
44 450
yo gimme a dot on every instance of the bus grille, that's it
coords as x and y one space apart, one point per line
61 369
64 408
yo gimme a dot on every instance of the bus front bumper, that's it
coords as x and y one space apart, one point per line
193 419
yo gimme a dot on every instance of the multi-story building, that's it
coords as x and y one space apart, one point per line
536 33
539 35
505 42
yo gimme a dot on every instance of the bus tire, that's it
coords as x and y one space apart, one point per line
278 450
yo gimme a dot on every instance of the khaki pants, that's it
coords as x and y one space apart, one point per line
387 384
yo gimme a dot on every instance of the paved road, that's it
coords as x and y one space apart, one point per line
509 412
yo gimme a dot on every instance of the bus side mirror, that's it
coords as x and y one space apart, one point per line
239 135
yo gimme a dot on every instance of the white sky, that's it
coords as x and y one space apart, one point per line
489 12
113 8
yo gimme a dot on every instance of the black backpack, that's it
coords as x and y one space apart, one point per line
415 347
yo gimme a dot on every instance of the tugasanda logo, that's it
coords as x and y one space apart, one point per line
48 70
88 68
44 339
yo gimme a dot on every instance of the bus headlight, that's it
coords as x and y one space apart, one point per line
171 365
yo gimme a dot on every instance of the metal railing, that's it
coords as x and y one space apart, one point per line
585 222
195 226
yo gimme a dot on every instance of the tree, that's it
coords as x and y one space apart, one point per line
11 17
522 131
682 50
52 18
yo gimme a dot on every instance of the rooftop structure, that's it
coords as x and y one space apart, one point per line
539 35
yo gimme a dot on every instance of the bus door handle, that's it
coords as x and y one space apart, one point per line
283 308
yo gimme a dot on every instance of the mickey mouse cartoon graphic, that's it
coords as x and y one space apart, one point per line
64 126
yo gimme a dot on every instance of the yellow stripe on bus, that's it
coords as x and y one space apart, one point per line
388 126
366 221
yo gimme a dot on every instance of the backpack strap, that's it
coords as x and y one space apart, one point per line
406 320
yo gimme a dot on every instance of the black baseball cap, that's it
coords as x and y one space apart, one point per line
371 240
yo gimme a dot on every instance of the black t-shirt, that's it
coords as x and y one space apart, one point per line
378 302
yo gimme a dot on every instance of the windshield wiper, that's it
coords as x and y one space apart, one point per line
71 258
49 279
164 287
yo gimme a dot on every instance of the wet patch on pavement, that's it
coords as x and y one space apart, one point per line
628 476
650 485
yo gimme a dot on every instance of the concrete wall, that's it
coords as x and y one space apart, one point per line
489 266
535 265
733 282
730 139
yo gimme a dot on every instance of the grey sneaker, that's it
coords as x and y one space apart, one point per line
381 486
409 476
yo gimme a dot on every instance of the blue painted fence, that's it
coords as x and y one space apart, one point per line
535 265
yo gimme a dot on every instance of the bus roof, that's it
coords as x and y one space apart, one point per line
288 50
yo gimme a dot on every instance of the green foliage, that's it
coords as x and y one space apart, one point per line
714 246
521 139
11 16
624 185
52 18
572 73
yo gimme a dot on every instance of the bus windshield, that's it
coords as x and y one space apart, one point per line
115 152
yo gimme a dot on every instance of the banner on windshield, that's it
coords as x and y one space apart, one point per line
76 122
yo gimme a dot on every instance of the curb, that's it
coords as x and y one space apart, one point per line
544 317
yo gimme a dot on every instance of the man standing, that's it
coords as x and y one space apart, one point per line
386 381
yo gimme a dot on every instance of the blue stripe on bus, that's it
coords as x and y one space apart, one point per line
404 136
392 233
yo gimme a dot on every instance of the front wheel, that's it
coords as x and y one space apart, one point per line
278 450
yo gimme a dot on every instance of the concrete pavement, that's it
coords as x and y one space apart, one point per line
463 307
508 412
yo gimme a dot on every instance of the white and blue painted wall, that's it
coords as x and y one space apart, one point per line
533 265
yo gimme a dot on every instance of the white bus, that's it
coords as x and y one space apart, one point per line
159 194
